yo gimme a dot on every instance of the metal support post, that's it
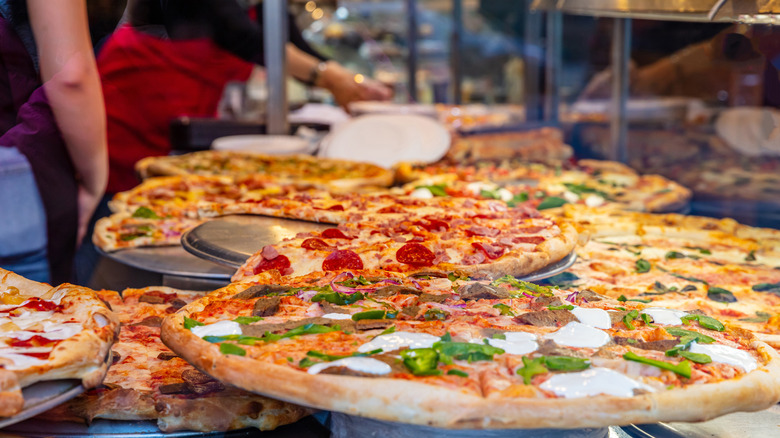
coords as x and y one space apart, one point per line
532 57
621 54
411 42
456 67
275 42
553 59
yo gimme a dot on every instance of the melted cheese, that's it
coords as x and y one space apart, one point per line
592 382
221 328
359 364
516 343
398 340
575 334
337 316
29 319
52 331
20 361
665 316
421 193
727 355
598 318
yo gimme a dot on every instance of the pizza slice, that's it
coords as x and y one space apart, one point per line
50 333
149 382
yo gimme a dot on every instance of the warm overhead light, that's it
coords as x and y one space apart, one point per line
359 78
310 6
317 13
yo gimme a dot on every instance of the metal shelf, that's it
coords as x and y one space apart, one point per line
744 11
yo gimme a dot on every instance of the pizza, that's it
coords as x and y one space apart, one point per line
482 238
542 145
296 170
728 270
588 182
441 350
149 382
50 333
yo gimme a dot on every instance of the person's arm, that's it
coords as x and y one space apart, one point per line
72 86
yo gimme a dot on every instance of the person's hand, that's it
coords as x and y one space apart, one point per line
348 87
88 201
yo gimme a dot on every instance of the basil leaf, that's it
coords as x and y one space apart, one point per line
518 199
581 189
521 285
751 257
704 251
647 319
698 337
421 361
772 288
467 351
683 368
642 266
674 274
145 213
530 368
551 202
232 349
674 255
306 362
190 323
760 317
370 314
705 321
561 307
504 309
455 372
696 357
566 363
387 331
721 295
436 189
248 319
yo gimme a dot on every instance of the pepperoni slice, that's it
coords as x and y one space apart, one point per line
433 225
313 243
535 240
280 262
334 233
391 209
415 254
491 251
337 207
342 259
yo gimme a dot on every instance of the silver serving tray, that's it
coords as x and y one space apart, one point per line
169 260
42 396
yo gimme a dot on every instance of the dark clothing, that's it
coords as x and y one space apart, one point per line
27 123
223 21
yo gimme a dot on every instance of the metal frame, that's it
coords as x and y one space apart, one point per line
411 42
621 53
274 41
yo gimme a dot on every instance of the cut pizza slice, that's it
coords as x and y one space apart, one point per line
50 333
149 382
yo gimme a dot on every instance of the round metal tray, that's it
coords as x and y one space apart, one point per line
169 260
42 396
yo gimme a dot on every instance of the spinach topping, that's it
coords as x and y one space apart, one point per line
629 317
760 317
721 295
696 357
623 299
674 274
687 336
705 321
751 257
145 213
189 323
232 349
701 250
551 202
772 288
642 266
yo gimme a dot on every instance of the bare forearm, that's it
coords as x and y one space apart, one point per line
72 85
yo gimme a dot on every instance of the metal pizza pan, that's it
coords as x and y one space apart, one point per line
169 260
42 396
230 240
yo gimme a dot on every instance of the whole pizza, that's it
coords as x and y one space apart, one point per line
441 350
50 333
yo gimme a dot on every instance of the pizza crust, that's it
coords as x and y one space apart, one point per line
418 403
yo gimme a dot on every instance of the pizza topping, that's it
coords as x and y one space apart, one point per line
546 318
314 243
704 321
478 291
491 251
575 334
433 225
683 368
642 266
664 316
342 259
721 295
334 233
266 306
593 382
220 328
422 193
515 343
773 288
415 254
51 330
478 230
598 318
727 355
337 316
398 340
20 361
269 252
280 263
360 364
